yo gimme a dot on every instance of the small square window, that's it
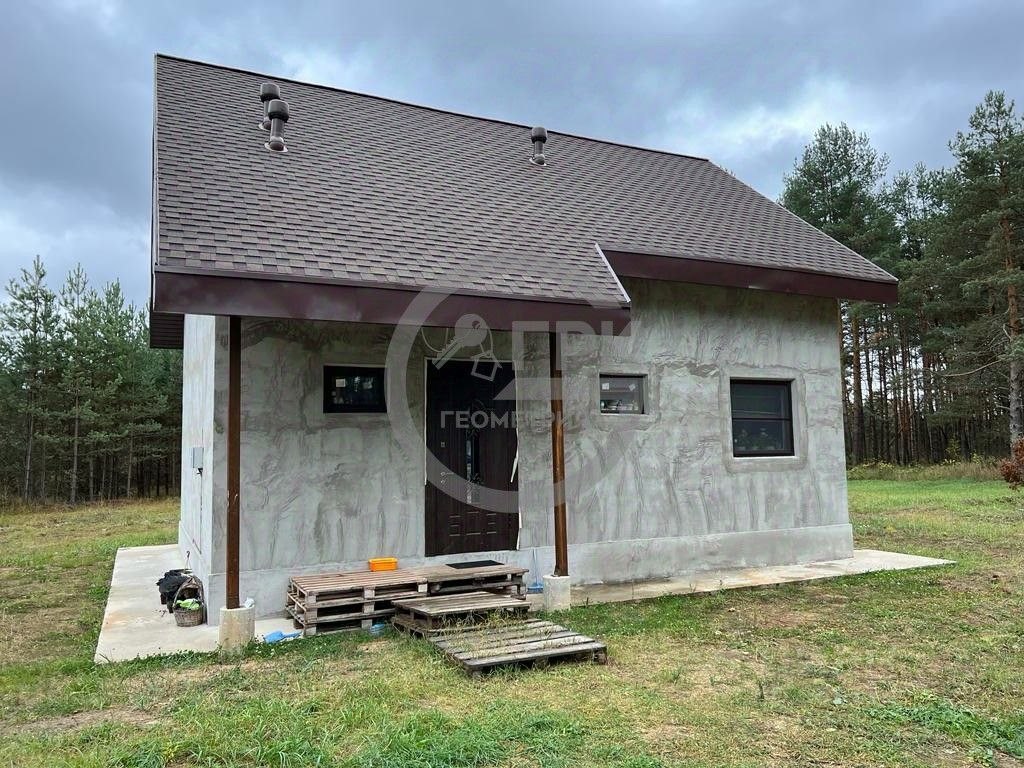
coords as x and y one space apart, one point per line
353 389
762 418
622 394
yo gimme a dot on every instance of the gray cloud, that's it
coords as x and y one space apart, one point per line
742 83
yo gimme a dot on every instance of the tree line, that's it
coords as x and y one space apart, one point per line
88 411
939 375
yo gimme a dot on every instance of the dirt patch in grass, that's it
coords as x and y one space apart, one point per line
1001 760
783 619
51 726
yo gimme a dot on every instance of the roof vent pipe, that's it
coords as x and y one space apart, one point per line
277 111
538 136
268 92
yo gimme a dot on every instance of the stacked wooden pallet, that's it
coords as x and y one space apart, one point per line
357 599
532 642
426 616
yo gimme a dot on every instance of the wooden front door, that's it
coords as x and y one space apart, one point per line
472 434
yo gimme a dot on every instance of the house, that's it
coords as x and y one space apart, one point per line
403 327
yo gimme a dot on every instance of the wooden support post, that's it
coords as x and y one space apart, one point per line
234 456
558 458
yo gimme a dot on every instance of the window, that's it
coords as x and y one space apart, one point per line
353 389
622 394
762 418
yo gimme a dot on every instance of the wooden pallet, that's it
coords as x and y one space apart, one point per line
533 642
425 616
335 623
352 599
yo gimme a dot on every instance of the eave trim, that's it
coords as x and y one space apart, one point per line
207 294
659 266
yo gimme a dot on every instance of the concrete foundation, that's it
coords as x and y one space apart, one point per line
237 628
609 562
134 625
557 595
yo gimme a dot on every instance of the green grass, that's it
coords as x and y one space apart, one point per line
911 668
979 469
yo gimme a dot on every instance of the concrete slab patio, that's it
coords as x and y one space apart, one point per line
135 625
863 561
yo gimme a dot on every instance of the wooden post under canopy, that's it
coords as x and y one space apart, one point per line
558 458
234 456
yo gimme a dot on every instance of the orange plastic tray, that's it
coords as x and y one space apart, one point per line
383 563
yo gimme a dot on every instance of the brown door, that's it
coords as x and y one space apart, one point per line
472 434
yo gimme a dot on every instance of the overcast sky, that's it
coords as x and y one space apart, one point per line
744 84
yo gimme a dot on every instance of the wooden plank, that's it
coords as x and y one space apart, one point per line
427 616
418 629
428 573
439 574
459 603
335 602
563 639
519 624
525 642
495 632
447 573
596 651
341 619
494 646
502 588
513 629
456 646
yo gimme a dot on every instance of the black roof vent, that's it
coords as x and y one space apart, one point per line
268 92
538 136
277 111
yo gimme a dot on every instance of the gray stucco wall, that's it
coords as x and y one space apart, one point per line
648 496
195 530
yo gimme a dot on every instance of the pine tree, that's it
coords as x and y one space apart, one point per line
29 330
836 186
78 315
981 237
85 404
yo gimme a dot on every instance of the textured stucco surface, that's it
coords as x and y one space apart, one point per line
676 474
648 495
195 530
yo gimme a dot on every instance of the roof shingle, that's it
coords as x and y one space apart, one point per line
378 191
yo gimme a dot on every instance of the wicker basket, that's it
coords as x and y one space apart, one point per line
184 617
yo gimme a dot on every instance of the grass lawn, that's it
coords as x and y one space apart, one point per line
914 668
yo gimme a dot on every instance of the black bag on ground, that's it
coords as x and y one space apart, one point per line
169 584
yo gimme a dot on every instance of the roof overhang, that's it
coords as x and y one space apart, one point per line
687 269
181 292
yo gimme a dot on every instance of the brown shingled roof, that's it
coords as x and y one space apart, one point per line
374 192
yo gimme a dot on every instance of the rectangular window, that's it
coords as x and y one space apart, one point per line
622 394
762 418
353 389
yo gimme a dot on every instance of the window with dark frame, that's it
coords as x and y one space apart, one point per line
353 389
622 394
762 417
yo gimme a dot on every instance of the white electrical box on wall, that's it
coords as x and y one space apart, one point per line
197 458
